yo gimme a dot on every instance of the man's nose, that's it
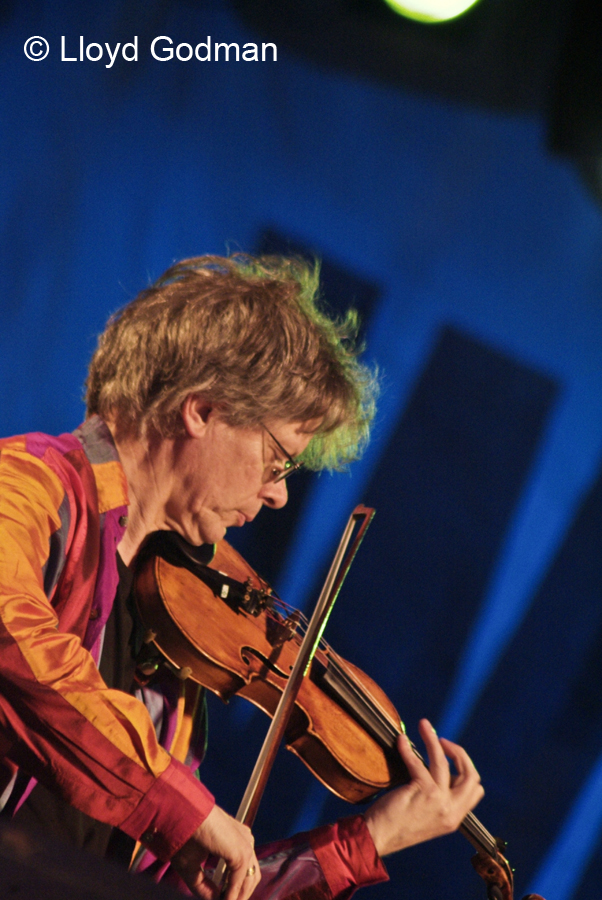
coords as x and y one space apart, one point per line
274 494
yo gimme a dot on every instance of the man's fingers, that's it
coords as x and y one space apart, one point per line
438 767
438 751
432 804
413 764
205 888
234 885
461 760
223 837
467 783
438 764
243 880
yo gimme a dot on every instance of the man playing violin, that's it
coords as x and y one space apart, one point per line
205 393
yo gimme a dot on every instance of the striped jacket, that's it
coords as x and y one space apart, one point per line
63 511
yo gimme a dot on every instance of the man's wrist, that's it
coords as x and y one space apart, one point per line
170 812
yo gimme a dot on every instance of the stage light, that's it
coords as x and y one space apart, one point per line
431 10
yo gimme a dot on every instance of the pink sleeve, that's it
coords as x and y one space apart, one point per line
327 863
347 855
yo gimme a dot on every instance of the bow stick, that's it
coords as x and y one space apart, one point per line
338 570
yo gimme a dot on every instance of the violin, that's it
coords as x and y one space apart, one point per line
217 622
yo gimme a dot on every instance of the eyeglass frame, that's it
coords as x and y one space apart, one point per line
291 464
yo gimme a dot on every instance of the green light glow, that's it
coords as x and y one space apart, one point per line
431 10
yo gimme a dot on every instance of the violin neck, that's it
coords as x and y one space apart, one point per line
479 837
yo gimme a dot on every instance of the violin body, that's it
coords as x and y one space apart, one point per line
348 744
217 622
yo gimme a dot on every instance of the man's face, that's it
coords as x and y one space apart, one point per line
224 475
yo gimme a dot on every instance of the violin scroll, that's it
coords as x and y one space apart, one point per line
496 873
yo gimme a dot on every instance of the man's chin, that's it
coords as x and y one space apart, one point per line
211 534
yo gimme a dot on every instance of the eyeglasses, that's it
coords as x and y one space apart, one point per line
290 465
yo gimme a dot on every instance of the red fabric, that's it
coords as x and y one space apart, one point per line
96 747
153 819
325 863
67 753
347 855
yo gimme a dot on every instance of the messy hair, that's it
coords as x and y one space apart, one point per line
251 337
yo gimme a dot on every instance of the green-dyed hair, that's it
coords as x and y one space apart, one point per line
250 336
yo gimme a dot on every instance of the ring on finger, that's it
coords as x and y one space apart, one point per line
251 871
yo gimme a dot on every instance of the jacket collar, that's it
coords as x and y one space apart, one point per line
98 445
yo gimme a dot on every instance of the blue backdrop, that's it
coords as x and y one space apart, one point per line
476 259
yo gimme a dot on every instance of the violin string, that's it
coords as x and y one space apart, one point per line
470 823
363 695
473 824
480 833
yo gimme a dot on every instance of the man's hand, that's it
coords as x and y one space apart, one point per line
222 836
434 802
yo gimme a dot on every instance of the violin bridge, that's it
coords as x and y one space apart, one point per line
279 632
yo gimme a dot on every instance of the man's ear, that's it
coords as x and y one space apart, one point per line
195 411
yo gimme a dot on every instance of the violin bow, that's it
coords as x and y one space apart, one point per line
336 575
